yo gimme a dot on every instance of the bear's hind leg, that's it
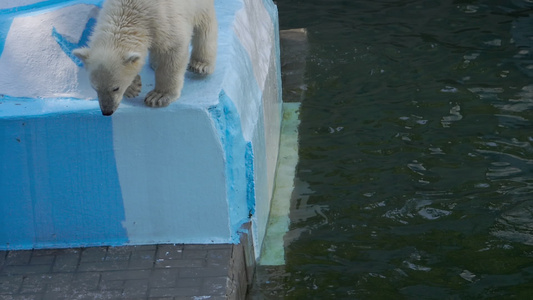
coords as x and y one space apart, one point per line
135 88
204 44
169 77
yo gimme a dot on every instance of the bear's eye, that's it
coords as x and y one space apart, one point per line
115 89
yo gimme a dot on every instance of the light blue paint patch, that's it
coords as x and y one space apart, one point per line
15 107
250 188
43 6
5 25
227 120
68 46
60 186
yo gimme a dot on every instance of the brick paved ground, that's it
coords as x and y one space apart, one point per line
128 272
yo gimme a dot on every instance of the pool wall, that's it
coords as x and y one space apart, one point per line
193 172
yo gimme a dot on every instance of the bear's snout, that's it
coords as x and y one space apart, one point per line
107 112
108 103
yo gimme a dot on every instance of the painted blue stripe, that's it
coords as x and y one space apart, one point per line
68 46
250 190
60 185
5 25
228 123
45 5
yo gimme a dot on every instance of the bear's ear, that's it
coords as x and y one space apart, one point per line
131 58
81 53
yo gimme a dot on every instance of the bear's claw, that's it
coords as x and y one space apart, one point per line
135 88
200 67
159 99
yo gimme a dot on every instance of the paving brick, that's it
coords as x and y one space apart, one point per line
198 247
182 263
135 289
59 282
59 295
33 284
95 254
118 253
169 252
215 285
27 269
173 292
107 285
189 282
67 262
53 252
3 255
125 275
87 281
194 253
18 257
10 284
57 279
42 260
218 257
57 289
103 266
24 297
204 272
145 247
164 278
142 259
105 295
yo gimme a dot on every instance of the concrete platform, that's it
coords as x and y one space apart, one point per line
163 271
190 173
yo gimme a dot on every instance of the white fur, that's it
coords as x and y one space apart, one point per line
127 30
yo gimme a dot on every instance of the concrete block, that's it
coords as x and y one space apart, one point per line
193 172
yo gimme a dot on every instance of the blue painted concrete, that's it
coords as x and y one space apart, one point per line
192 172
5 24
50 200
250 177
228 124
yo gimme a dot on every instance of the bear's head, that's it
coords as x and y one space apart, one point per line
111 73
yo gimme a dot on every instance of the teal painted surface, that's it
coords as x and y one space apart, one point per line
250 180
238 177
5 24
68 46
55 200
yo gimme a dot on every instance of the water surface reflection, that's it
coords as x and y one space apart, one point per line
415 174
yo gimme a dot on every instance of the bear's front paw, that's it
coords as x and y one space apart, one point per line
201 67
160 99
135 88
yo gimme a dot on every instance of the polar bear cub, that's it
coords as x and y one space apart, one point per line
127 30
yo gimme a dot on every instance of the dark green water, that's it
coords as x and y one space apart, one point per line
415 178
